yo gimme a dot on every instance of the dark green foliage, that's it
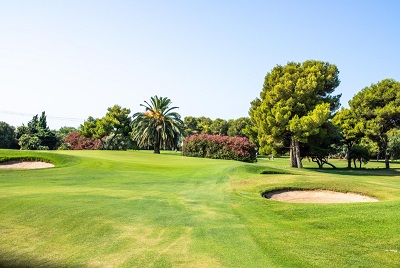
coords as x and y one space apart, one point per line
394 144
88 129
30 142
191 127
237 127
219 127
378 107
197 125
351 127
115 122
7 136
232 127
119 142
219 147
323 145
37 135
359 153
274 171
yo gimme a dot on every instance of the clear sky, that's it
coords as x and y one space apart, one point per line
76 58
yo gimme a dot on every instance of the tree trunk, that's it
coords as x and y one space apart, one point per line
293 162
386 160
157 148
157 143
298 157
348 156
385 149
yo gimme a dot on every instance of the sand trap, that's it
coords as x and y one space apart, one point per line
24 165
317 196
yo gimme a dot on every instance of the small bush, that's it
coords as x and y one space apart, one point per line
119 142
219 147
76 141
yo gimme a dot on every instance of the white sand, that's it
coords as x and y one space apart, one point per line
24 165
317 196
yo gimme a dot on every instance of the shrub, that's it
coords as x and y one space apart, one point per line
119 142
29 142
78 142
7 136
219 147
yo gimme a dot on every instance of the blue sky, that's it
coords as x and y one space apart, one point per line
76 58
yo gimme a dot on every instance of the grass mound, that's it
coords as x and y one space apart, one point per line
274 171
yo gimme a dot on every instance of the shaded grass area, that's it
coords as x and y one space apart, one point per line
137 209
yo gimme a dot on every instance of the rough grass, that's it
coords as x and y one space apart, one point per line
137 209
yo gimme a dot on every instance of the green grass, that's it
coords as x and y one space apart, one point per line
137 209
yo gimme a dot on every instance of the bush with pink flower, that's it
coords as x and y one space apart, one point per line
219 147
76 141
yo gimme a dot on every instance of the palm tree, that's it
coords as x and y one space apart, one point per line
157 125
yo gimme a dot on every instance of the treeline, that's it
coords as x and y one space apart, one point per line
297 113
111 132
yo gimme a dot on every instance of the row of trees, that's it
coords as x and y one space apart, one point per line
159 126
373 120
296 113
205 125
36 135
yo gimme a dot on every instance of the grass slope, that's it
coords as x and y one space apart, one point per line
137 209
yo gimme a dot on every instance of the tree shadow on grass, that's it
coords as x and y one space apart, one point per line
360 172
27 263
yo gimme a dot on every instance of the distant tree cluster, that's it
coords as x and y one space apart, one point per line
372 123
296 114
111 132
221 127
36 135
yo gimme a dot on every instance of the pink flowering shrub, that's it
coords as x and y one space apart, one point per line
219 147
79 142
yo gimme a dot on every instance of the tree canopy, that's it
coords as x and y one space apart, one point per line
36 135
294 103
378 108
158 125
7 136
116 123
352 129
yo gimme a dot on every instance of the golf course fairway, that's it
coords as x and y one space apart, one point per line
139 209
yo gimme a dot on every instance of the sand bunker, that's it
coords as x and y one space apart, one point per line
317 196
24 165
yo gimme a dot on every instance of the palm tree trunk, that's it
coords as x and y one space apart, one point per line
157 148
157 143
